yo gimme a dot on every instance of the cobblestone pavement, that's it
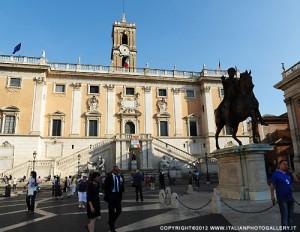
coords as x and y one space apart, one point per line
64 215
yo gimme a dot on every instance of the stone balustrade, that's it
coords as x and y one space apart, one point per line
291 69
110 69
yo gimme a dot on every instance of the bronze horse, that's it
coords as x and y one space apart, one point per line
244 105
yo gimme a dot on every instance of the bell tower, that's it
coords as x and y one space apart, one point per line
123 52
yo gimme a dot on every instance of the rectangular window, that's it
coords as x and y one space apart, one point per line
228 130
193 128
190 93
162 92
163 128
15 82
221 92
9 124
59 88
93 127
94 89
56 127
129 91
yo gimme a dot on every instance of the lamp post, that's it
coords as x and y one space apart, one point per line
207 175
78 163
34 154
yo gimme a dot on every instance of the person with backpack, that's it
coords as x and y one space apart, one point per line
82 189
31 191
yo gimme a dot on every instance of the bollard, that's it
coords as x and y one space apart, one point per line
190 189
162 196
174 200
216 206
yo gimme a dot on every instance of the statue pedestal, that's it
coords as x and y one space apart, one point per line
242 173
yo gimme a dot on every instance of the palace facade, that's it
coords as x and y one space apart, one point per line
54 117
290 85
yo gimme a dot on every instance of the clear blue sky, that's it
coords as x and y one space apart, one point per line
251 34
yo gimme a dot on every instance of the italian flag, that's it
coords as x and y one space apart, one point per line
126 62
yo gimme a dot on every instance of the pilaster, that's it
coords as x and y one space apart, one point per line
76 109
39 104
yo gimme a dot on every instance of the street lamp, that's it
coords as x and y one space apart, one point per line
207 175
34 154
78 163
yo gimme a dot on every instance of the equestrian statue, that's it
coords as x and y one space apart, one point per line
238 104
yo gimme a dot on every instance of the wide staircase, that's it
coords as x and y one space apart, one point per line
69 165
173 152
64 166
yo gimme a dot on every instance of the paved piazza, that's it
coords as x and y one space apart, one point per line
64 214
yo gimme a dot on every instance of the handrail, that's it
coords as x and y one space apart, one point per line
178 153
170 145
83 152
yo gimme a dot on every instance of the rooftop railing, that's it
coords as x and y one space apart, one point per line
110 69
291 69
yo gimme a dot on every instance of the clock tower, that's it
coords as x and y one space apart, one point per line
123 53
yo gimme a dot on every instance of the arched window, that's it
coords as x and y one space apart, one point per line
129 128
124 39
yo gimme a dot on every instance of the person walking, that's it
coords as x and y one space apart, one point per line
93 200
31 191
15 181
282 181
162 184
152 182
73 185
57 188
113 189
82 189
138 179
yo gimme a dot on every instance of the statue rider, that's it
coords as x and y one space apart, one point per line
230 86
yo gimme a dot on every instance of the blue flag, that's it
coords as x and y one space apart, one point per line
17 48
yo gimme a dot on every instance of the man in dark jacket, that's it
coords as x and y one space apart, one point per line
113 189
138 179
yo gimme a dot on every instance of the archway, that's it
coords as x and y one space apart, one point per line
129 128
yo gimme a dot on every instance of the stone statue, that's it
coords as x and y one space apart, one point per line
164 164
238 104
99 165
162 105
93 104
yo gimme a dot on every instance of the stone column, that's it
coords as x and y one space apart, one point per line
76 109
177 112
110 111
293 128
148 110
39 104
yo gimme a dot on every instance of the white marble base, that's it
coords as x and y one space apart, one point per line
242 173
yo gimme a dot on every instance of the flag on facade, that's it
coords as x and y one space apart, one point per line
126 62
17 48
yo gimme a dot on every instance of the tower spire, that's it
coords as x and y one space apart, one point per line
123 12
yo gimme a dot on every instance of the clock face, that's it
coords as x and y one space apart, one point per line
124 50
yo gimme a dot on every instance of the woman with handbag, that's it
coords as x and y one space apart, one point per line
31 191
93 200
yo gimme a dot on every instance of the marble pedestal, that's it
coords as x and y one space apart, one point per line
242 173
